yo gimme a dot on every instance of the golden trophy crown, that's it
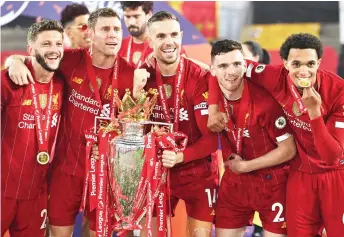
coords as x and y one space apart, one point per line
135 110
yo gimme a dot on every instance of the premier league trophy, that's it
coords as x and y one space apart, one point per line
131 179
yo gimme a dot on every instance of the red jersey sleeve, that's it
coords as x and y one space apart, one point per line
4 89
71 59
329 135
267 76
214 90
207 143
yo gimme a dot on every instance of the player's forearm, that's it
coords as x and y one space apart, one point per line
214 91
203 147
283 153
13 58
327 146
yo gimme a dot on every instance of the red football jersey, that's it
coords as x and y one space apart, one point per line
193 113
81 106
317 140
266 127
22 177
132 52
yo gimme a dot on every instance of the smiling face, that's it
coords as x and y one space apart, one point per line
302 64
229 69
165 38
106 35
47 49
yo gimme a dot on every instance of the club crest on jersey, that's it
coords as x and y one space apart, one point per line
108 94
99 83
27 102
281 122
55 102
296 110
168 91
43 100
260 68
77 80
136 57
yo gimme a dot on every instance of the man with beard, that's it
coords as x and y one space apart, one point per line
260 139
135 47
74 20
30 118
313 101
89 86
183 92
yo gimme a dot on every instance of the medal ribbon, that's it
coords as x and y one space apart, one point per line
92 77
178 88
43 128
102 184
242 120
142 57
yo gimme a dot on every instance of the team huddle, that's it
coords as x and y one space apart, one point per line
280 127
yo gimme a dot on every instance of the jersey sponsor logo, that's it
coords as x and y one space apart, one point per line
183 115
260 68
339 124
105 112
296 122
246 133
78 80
54 120
55 102
28 121
281 122
27 102
157 114
84 102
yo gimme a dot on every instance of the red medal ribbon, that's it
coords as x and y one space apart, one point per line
178 88
92 77
43 128
242 120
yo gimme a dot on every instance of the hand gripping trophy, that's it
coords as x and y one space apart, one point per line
128 180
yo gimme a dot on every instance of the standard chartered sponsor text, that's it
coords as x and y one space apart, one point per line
83 102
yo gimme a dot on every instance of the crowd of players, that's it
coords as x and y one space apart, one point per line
282 140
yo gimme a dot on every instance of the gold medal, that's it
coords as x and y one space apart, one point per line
304 83
43 158
296 110
168 91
